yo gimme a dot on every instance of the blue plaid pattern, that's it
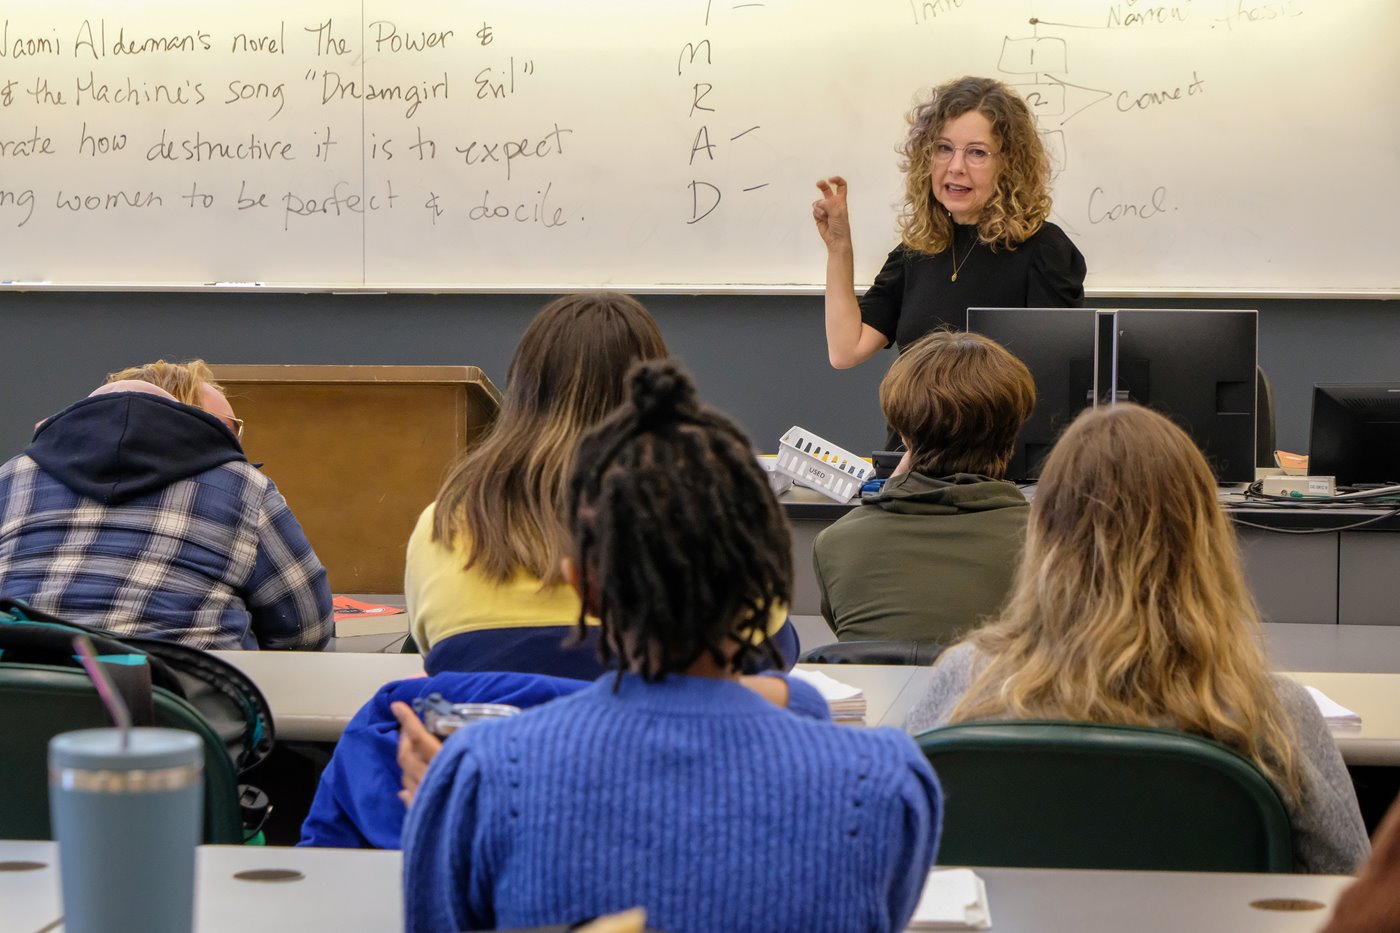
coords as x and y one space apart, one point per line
213 561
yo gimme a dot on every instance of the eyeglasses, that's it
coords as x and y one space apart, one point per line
237 426
976 156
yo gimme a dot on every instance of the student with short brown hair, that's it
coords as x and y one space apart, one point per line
935 550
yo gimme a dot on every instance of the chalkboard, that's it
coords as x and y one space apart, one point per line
1200 146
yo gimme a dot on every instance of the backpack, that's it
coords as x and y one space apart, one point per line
228 700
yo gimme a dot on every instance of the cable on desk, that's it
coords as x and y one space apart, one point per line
1255 490
1318 531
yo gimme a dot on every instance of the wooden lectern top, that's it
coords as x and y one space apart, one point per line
359 451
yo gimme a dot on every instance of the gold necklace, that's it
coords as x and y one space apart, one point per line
952 248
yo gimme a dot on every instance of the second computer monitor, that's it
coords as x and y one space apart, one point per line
1197 367
1355 433
1060 348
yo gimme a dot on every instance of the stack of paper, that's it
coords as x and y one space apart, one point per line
953 899
847 703
1335 713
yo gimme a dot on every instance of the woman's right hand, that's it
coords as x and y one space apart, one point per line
417 749
829 211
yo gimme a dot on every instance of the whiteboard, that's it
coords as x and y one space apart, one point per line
1201 146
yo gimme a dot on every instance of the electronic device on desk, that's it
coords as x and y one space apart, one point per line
885 462
1060 348
1355 434
1198 367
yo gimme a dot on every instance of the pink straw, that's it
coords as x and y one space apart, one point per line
116 707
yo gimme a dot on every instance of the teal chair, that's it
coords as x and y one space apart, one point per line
1078 795
37 702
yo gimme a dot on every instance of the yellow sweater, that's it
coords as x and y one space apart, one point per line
444 600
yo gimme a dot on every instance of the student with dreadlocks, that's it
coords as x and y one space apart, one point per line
717 802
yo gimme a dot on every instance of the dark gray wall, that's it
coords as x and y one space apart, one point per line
762 359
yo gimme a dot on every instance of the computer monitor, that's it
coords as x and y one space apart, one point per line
1060 348
1198 368
1355 433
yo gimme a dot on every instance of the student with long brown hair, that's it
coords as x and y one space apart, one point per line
482 580
1130 606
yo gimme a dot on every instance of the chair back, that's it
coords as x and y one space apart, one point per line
38 702
1081 795
875 652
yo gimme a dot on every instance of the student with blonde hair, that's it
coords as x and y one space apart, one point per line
1130 606
135 510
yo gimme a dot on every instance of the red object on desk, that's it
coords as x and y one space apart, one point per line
347 608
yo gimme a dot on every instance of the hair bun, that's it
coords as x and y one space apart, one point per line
661 390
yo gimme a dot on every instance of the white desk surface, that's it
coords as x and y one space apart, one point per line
313 694
1361 649
340 889
1376 697
1026 900
355 890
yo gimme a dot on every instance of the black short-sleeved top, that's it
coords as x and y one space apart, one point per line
913 293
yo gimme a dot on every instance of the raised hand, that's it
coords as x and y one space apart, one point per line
829 211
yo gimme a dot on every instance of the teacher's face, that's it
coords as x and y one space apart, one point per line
961 186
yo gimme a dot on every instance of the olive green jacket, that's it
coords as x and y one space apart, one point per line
926 559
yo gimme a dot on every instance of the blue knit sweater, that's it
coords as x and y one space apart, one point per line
693 797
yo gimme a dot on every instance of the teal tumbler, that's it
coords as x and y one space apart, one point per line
127 821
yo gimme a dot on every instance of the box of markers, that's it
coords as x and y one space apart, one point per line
817 463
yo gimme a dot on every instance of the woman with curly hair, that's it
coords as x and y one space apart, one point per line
973 227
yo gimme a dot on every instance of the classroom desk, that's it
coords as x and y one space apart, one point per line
313 694
340 889
1359 649
359 890
1376 697
1302 565
1037 900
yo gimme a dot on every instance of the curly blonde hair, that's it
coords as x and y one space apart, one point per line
1130 604
1020 201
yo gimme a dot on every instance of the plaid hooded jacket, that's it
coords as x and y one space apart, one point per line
141 515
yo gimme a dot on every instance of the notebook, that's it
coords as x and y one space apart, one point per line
952 899
847 703
1335 713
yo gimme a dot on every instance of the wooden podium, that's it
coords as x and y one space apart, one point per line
359 451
